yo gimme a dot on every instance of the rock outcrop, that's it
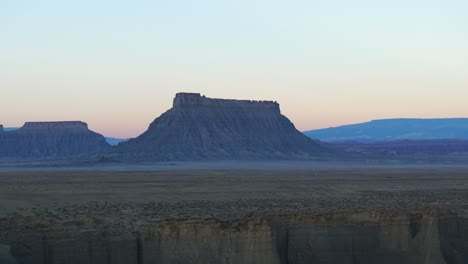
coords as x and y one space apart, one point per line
38 140
198 128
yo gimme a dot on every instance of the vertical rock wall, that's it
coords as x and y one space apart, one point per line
358 238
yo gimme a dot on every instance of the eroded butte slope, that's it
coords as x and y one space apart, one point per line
199 128
40 140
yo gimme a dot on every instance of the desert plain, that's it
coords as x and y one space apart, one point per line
235 212
190 190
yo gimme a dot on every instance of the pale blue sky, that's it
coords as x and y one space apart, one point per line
118 64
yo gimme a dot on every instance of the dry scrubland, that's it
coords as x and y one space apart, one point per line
175 191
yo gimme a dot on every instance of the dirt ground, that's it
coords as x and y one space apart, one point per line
174 190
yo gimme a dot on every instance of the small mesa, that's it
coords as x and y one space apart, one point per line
42 140
54 125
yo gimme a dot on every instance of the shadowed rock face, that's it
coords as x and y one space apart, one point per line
203 128
361 238
37 140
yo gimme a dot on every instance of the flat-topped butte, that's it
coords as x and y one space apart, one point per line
196 99
55 125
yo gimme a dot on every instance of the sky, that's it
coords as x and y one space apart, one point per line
118 64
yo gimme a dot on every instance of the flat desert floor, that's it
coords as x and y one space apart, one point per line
210 190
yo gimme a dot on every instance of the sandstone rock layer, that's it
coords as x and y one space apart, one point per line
360 238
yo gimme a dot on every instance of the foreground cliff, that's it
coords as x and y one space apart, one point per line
203 128
39 140
359 238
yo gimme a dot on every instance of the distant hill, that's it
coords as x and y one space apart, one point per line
435 151
395 129
115 141
403 147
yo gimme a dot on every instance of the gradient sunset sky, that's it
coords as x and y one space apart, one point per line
118 64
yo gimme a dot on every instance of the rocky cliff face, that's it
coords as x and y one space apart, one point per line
361 238
50 140
203 128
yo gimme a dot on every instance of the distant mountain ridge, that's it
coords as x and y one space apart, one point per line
395 129
115 141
